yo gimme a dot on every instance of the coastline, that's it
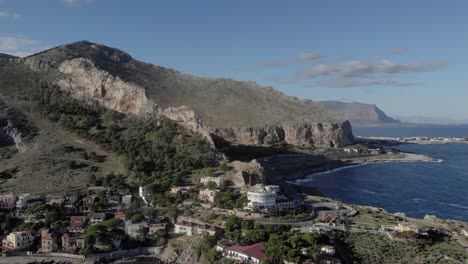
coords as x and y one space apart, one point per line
351 163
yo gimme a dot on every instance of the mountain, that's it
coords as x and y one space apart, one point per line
432 120
359 113
223 110
7 56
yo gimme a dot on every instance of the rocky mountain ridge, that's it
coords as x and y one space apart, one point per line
220 109
359 113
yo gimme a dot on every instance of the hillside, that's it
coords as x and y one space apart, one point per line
220 109
359 113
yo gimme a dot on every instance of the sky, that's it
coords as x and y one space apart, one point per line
408 57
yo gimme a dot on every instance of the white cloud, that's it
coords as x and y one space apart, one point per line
19 46
298 58
6 14
354 82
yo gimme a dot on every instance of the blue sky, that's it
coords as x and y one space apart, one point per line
408 57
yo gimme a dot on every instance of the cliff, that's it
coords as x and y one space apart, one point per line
359 113
221 109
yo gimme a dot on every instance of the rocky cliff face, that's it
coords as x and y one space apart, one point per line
359 113
237 112
15 129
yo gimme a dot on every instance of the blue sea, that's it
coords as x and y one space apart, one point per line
415 189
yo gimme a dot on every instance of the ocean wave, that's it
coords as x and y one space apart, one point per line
454 205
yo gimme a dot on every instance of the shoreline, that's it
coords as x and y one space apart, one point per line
408 157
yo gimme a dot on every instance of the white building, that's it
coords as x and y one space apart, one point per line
327 249
262 197
7 201
126 200
218 180
190 229
16 241
23 200
97 218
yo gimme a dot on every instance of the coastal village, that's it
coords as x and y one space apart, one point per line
222 221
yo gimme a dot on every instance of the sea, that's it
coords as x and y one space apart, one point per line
415 188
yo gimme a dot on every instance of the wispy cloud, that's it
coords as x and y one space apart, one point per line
362 68
353 82
19 46
7 14
76 2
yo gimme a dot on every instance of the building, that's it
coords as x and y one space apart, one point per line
120 215
407 227
217 180
157 226
126 200
222 244
246 254
16 241
190 229
97 218
7 201
208 230
180 189
72 242
77 224
186 228
23 201
262 197
208 195
48 241
327 250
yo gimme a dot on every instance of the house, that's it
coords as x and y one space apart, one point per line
48 241
262 197
246 254
113 200
113 241
176 190
324 259
120 215
77 224
156 226
54 199
23 201
407 227
16 241
126 200
208 195
97 218
208 230
190 229
72 242
217 180
89 200
7 201
186 228
351 150
70 204
330 250
222 244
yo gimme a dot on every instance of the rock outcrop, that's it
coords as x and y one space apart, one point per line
221 109
15 129
359 113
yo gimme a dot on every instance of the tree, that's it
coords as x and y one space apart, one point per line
275 248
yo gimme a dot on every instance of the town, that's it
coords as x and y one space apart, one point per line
252 224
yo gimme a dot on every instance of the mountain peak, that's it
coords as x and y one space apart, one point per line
359 113
7 56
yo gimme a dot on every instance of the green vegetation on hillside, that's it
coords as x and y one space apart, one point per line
156 151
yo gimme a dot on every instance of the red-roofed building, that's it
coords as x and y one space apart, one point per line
250 254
